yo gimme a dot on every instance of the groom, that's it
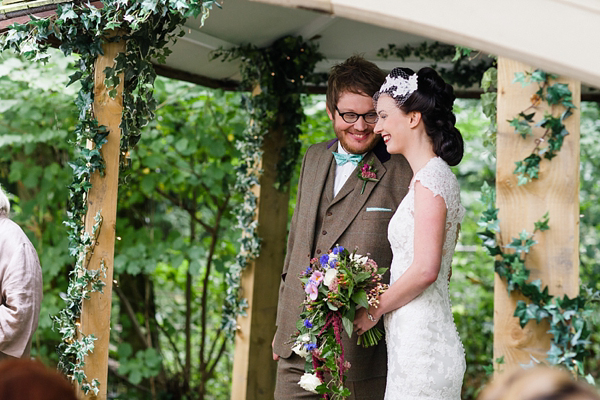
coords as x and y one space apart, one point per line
330 210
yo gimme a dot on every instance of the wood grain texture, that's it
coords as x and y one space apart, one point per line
254 370
555 259
95 317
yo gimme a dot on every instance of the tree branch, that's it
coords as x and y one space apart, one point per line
131 314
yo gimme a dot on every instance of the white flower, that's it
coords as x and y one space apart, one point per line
329 275
300 349
359 259
309 382
304 338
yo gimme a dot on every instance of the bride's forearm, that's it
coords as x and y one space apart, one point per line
411 284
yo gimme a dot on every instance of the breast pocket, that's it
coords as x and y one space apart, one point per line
379 213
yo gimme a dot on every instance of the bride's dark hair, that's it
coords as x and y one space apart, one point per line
434 99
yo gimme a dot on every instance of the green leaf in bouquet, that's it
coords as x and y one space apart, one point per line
331 306
362 276
382 270
360 298
348 325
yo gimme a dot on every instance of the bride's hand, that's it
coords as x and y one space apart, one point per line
362 323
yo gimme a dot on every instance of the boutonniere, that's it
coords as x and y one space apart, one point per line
367 173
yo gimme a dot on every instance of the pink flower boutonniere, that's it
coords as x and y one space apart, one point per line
367 173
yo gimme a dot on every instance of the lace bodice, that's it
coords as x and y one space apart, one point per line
425 356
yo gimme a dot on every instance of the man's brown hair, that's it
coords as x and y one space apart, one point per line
355 75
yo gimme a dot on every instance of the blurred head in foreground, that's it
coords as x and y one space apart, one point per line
538 383
22 379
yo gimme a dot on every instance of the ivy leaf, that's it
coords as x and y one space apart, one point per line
538 76
489 79
542 224
558 93
521 78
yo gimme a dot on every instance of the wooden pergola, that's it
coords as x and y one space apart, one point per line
522 34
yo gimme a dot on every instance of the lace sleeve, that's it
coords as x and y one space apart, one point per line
438 177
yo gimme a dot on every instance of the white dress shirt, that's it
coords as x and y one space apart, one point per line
342 172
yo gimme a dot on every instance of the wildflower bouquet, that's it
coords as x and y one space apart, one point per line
335 284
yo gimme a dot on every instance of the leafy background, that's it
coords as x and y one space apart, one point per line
175 241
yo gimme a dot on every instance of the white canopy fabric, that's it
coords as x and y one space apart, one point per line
559 36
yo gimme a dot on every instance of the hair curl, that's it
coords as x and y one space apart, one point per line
434 99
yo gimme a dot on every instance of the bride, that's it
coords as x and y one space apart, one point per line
426 358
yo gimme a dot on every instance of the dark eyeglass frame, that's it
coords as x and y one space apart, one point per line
353 121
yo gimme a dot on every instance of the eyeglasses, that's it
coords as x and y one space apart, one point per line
352 117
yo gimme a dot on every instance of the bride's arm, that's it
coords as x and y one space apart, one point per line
430 226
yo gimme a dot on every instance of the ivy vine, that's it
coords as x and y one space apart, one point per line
281 71
467 66
552 140
569 318
147 27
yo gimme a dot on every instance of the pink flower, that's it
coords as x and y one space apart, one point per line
312 290
317 278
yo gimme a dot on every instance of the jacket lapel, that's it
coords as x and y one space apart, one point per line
354 201
319 183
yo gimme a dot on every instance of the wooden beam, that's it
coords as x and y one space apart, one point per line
254 370
95 317
555 259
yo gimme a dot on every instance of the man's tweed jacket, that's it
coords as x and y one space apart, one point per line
351 219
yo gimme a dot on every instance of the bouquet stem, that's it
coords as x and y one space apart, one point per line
370 337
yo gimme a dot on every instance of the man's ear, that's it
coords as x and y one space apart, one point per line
415 118
329 113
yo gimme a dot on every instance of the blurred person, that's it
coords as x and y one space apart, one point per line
538 383
31 380
20 287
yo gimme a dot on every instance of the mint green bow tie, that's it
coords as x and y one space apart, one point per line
342 159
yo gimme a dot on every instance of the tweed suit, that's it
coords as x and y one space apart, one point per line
351 219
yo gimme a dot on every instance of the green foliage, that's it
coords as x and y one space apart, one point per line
281 72
489 97
569 318
145 364
554 94
147 27
465 71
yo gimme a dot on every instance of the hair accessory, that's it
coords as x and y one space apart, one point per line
399 85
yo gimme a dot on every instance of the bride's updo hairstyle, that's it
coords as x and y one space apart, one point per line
427 93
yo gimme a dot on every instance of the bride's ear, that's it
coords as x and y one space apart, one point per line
415 118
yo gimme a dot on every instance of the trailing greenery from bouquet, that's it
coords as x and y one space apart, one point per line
147 27
569 318
550 143
468 66
281 72
335 285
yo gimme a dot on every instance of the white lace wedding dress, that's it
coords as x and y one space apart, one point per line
426 359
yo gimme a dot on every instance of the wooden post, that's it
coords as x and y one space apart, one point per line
95 316
555 259
254 370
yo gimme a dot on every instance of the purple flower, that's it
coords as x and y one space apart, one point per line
324 259
310 346
337 250
333 263
308 271
312 290
307 324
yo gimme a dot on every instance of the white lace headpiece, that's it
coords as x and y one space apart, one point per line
399 85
